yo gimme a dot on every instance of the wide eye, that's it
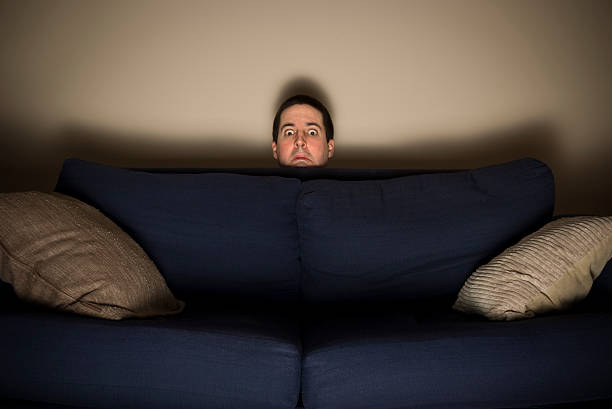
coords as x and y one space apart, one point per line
313 132
289 132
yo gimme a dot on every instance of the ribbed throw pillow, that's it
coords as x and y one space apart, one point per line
62 253
546 271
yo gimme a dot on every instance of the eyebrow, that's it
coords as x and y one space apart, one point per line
307 124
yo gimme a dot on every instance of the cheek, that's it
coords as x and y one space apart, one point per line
319 152
320 146
284 148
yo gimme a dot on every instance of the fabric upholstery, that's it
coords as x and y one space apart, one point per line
64 254
203 358
602 287
364 357
548 270
209 234
415 236
393 358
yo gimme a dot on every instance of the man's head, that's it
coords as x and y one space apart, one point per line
302 133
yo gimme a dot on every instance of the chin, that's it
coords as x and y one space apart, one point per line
301 163
304 164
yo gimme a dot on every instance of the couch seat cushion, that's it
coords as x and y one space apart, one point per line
403 359
245 358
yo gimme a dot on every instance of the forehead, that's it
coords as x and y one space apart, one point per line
301 113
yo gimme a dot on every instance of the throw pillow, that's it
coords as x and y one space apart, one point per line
546 271
62 253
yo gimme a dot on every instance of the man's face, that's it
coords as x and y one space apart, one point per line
301 138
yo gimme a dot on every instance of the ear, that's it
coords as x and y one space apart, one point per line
274 150
330 148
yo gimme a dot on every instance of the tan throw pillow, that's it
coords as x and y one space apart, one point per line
546 271
62 253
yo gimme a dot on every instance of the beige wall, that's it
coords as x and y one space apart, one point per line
411 84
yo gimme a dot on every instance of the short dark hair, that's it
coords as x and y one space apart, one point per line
304 100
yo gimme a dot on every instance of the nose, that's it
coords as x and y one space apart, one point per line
300 141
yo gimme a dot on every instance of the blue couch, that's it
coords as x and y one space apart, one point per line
321 288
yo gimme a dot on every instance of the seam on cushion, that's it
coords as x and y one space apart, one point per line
60 290
94 305
299 215
34 270
368 342
190 330
13 257
133 387
473 182
300 330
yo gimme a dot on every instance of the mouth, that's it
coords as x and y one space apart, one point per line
301 156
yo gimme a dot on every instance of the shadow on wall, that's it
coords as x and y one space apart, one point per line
536 140
32 161
307 86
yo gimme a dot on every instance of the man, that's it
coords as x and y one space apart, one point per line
302 133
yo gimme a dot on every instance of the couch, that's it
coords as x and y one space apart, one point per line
315 288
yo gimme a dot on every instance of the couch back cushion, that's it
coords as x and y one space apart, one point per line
417 236
209 234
